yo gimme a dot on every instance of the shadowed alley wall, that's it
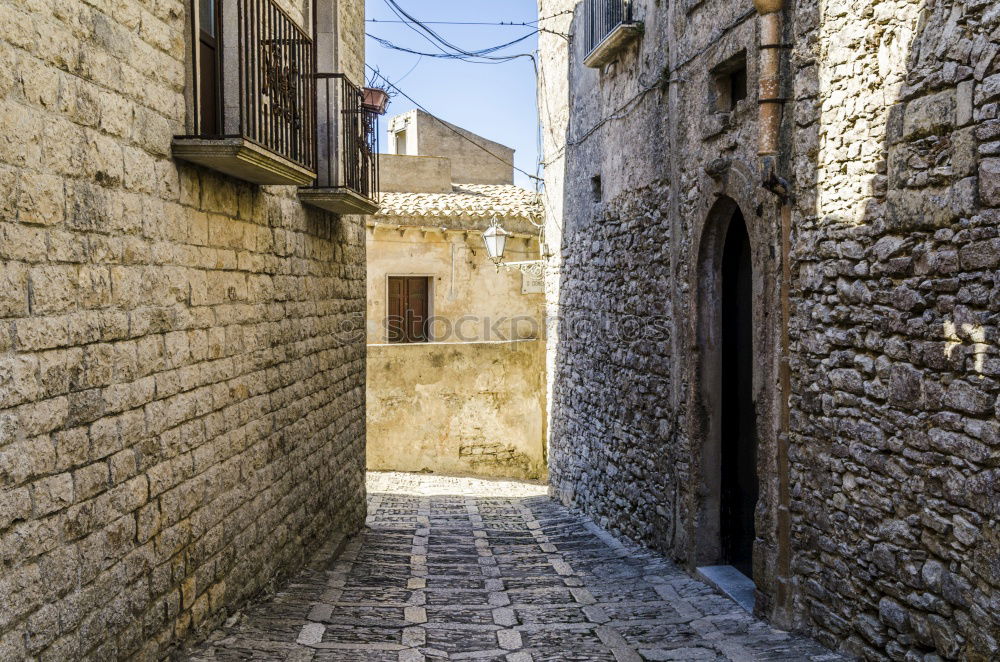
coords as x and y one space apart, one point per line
890 147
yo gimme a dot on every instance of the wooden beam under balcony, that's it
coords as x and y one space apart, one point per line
243 159
340 200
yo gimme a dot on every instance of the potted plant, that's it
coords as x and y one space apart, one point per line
376 100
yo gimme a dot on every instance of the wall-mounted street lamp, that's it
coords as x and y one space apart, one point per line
495 238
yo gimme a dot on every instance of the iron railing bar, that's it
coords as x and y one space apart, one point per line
601 17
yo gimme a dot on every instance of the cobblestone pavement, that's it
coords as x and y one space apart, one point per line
464 569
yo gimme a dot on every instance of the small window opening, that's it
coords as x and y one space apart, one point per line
595 188
730 80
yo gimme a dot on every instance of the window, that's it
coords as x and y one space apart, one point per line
253 93
409 309
401 142
208 70
730 80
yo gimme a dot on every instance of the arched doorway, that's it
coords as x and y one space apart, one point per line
729 373
738 482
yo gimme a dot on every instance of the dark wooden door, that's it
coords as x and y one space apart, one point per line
409 308
208 73
739 425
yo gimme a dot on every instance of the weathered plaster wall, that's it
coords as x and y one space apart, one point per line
467 408
181 420
469 297
474 159
412 174
890 144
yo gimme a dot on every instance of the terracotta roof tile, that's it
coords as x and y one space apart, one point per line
466 200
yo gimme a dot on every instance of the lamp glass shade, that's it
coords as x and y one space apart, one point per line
495 239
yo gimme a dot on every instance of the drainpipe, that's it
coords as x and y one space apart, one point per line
770 16
771 101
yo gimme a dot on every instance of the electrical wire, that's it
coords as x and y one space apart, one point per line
385 43
412 69
497 23
448 126
665 78
506 24
449 49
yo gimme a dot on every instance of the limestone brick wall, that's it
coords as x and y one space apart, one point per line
181 393
351 50
895 437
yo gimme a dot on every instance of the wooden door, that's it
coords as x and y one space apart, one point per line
409 308
740 489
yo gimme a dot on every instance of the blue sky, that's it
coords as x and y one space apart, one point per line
496 101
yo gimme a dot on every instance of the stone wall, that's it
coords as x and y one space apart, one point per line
457 408
181 420
895 440
889 144
474 159
413 174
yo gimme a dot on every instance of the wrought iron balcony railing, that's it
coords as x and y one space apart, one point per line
259 122
347 149
278 103
608 24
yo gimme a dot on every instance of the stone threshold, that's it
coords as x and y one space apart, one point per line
731 582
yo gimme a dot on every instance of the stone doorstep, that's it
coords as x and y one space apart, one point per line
731 582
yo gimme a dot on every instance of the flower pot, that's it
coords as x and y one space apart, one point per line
376 100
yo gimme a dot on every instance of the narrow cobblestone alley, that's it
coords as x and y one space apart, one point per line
466 569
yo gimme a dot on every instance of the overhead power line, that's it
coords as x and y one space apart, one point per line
483 53
508 24
448 50
514 24
450 127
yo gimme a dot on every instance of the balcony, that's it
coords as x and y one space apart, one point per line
255 98
347 149
608 28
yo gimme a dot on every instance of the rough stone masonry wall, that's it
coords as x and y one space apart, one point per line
180 423
626 212
895 439
609 397
895 444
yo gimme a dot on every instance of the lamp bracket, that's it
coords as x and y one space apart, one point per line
534 268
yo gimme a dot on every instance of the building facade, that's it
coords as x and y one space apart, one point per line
774 301
181 347
456 349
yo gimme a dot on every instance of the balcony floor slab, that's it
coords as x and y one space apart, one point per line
340 200
616 40
243 159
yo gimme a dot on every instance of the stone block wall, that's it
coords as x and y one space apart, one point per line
890 148
181 417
